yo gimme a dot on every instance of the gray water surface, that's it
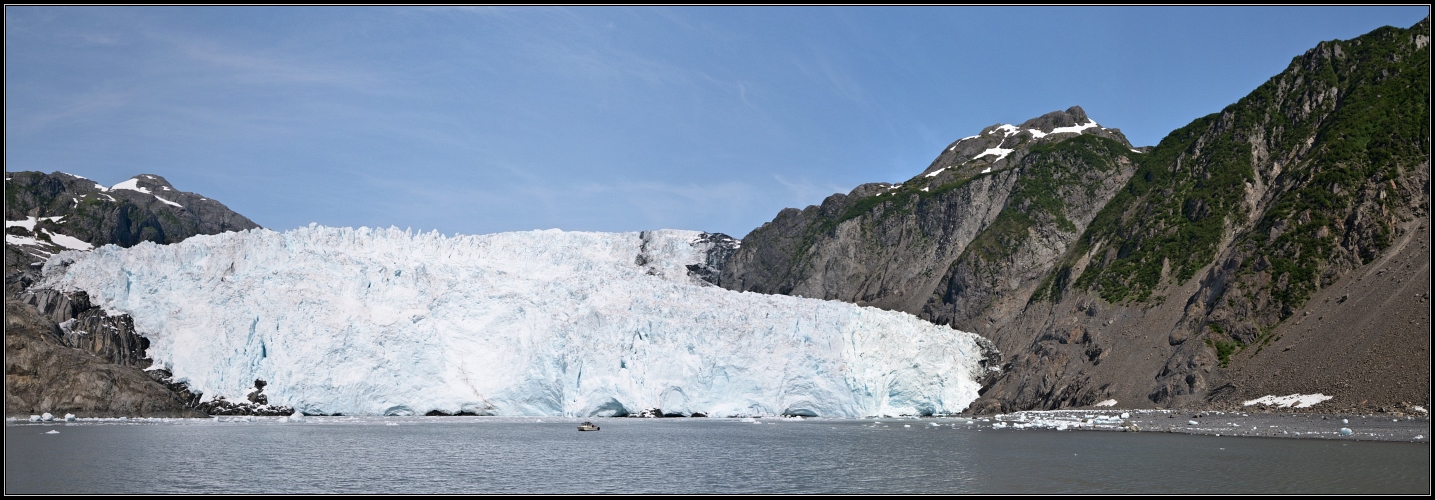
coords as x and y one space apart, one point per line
507 455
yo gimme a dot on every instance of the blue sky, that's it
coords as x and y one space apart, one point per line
476 119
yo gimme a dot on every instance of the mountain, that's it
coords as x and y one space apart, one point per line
361 321
63 354
1182 274
46 213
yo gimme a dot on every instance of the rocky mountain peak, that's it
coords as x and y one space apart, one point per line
151 182
1072 117
48 213
1002 145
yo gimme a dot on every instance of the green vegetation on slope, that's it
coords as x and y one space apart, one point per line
1366 109
1381 128
1038 197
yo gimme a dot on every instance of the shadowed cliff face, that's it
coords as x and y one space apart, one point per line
1149 277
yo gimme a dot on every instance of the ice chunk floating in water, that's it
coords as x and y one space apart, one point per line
364 321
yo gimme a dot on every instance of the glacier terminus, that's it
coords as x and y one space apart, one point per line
540 323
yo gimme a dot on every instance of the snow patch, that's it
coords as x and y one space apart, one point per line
1109 402
935 172
70 242
167 202
29 222
999 152
987 170
1297 400
1074 129
132 185
1008 130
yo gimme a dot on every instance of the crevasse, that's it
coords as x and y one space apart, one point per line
383 321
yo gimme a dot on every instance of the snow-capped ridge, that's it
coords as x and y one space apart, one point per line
132 184
1003 143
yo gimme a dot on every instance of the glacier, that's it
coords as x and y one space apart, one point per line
540 323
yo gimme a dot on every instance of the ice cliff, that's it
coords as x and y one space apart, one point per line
384 321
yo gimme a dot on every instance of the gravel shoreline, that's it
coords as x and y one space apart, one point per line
1301 425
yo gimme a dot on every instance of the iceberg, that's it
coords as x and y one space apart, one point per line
540 323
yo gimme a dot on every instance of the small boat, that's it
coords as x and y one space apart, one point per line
587 426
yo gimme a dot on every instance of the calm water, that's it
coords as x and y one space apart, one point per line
499 455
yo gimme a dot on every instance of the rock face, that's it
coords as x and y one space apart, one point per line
1155 276
62 354
718 250
42 374
85 327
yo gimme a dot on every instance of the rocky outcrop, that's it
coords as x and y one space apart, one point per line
717 249
44 375
256 404
86 327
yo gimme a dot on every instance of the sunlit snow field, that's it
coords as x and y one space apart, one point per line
691 455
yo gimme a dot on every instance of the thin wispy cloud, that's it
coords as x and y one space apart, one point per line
56 112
